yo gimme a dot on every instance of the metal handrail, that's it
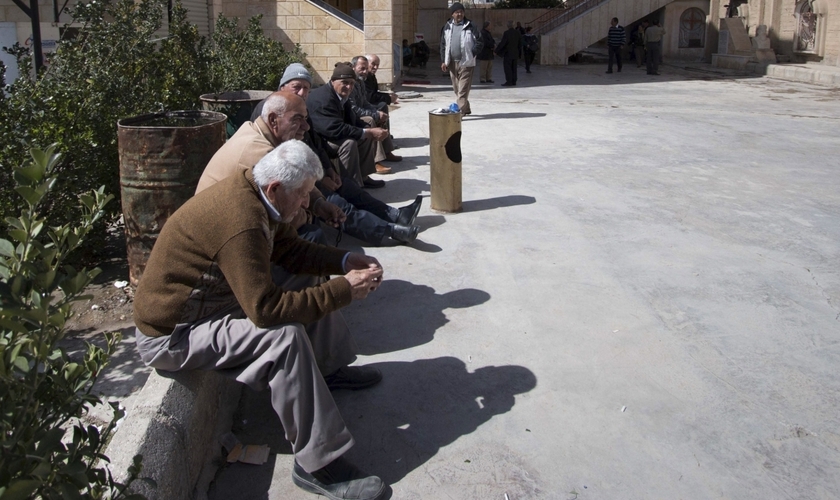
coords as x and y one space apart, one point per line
338 13
547 16
567 15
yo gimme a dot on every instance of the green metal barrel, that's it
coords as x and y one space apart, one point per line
237 105
162 157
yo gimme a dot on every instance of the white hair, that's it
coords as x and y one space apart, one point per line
291 164
275 103
370 57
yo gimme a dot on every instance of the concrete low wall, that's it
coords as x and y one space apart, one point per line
175 425
811 73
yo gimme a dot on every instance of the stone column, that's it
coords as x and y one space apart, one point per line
713 29
379 37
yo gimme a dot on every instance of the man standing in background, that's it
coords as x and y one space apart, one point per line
616 38
509 48
653 46
460 42
485 74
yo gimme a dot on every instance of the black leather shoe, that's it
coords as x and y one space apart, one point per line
404 234
339 480
353 378
409 212
372 183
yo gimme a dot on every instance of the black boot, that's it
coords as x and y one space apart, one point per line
339 480
409 212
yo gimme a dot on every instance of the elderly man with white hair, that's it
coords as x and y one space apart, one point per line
210 299
375 95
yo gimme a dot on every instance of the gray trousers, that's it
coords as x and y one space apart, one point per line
356 159
383 148
288 359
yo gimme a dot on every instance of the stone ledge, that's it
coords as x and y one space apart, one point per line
175 425
804 73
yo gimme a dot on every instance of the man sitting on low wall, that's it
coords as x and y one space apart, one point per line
220 293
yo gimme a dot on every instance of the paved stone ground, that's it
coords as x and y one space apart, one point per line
640 300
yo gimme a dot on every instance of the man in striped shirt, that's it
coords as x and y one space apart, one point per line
615 39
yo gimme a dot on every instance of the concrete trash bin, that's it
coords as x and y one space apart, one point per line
162 157
445 161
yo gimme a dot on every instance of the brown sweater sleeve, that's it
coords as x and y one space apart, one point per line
245 262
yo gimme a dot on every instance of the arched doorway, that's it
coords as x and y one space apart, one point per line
692 29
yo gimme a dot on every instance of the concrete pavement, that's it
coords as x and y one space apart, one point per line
640 300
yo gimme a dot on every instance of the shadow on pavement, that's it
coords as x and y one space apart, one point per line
412 142
125 372
500 202
257 478
418 408
415 312
422 406
495 116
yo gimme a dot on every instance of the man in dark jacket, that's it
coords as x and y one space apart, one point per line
374 95
368 219
333 118
509 48
485 57
374 115
460 42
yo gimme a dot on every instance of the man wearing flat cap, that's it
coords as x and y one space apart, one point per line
333 118
460 43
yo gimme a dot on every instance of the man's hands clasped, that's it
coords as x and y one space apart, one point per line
364 273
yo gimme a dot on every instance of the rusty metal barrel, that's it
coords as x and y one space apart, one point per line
162 157
237 105
445 161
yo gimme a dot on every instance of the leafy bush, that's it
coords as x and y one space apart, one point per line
247 60
45 450
119 65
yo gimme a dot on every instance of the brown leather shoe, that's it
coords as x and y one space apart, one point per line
393 157
382 169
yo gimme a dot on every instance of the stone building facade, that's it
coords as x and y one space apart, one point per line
799 30
330 31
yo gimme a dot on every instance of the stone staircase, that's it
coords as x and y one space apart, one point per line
572 30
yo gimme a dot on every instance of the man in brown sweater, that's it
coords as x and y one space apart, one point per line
210 299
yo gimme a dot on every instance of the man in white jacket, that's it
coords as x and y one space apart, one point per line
460 43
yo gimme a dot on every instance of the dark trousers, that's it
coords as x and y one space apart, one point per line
653 57
529 60
367 217
615 53
510 64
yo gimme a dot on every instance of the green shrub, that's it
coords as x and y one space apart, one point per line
120 65
246 59
45 450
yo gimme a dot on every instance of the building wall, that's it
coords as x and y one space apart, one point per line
587 29
671 43
780 18
380 31
324 38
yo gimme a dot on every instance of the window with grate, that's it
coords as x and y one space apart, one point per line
806 27
692 29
